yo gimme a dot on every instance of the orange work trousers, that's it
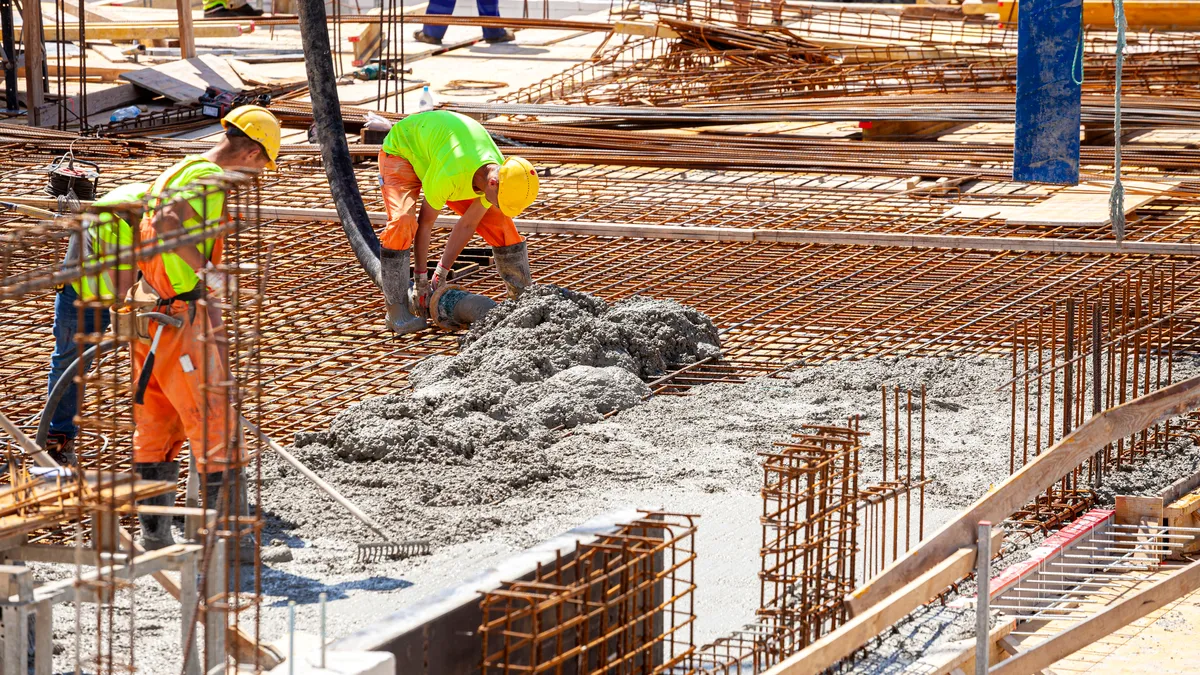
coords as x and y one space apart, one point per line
185 398
402 199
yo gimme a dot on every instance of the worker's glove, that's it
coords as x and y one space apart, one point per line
217 281
440 276
421 290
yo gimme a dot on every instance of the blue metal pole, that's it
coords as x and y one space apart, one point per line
1049 86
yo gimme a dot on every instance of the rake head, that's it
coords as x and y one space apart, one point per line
387 550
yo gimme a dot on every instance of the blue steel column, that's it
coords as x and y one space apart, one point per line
1049 77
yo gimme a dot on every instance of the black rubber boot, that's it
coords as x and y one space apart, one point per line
156 530
233 503
394 273
512 262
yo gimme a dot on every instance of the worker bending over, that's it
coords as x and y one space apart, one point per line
108 235
453 160
183 399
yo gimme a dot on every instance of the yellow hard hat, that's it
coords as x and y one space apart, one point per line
518 186
259 124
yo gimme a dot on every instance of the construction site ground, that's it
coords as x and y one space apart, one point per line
810 330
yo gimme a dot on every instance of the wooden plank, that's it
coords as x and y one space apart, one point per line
118 32
644 29
1133 510
960 654
184 81
98 100
1112 618
835 646
1139 14
35 55
1079 206
188 32
1018 489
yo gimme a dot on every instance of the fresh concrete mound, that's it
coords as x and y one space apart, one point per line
553 360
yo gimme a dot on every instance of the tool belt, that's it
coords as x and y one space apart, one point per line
129 319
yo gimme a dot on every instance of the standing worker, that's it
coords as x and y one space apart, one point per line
108 235
183 399
433 34
453 160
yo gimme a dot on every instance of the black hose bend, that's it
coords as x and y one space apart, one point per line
331 134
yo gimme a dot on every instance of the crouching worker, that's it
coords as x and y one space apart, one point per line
183 397
111 234
452 160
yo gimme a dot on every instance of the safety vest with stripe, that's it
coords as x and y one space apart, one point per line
105 237
167 273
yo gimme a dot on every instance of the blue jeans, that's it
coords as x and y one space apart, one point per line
66 325
485 8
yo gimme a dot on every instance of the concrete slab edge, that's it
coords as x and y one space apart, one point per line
379 636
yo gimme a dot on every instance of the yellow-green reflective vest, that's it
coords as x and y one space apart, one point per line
106 237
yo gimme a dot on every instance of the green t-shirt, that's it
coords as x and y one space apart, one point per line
445 149
104 238
208 203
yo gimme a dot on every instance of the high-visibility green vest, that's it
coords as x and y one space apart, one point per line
208 203
103 238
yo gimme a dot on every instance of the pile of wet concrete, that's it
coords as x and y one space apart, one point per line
474 428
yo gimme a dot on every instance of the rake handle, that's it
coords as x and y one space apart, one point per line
308 473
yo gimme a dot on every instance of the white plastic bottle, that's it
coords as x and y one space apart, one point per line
426 102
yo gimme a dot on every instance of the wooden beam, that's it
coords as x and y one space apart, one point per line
128 32
1021 487
98 100
35 58
1112 618
843 642
1139 14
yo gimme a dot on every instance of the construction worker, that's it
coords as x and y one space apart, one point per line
454 162
229 9
109 234
183 399
433 34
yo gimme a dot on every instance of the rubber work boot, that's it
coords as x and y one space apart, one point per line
512 262
230 505
421 36
156 530
394 273
61 449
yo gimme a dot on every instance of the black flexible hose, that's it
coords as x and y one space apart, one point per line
331 134
61 386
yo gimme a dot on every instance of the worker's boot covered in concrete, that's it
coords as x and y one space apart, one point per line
394 273
156 530
512 262
229 505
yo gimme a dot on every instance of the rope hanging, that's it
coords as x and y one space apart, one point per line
1116 198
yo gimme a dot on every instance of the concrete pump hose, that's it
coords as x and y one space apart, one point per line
64 382
331 134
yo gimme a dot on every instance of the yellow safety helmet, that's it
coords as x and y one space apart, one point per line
518 186
260 125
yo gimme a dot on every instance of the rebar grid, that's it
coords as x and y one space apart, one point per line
105 418
620 604
1086 354
810 508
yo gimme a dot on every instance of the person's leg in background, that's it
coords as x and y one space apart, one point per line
217 9
61 441
434 34
493 35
